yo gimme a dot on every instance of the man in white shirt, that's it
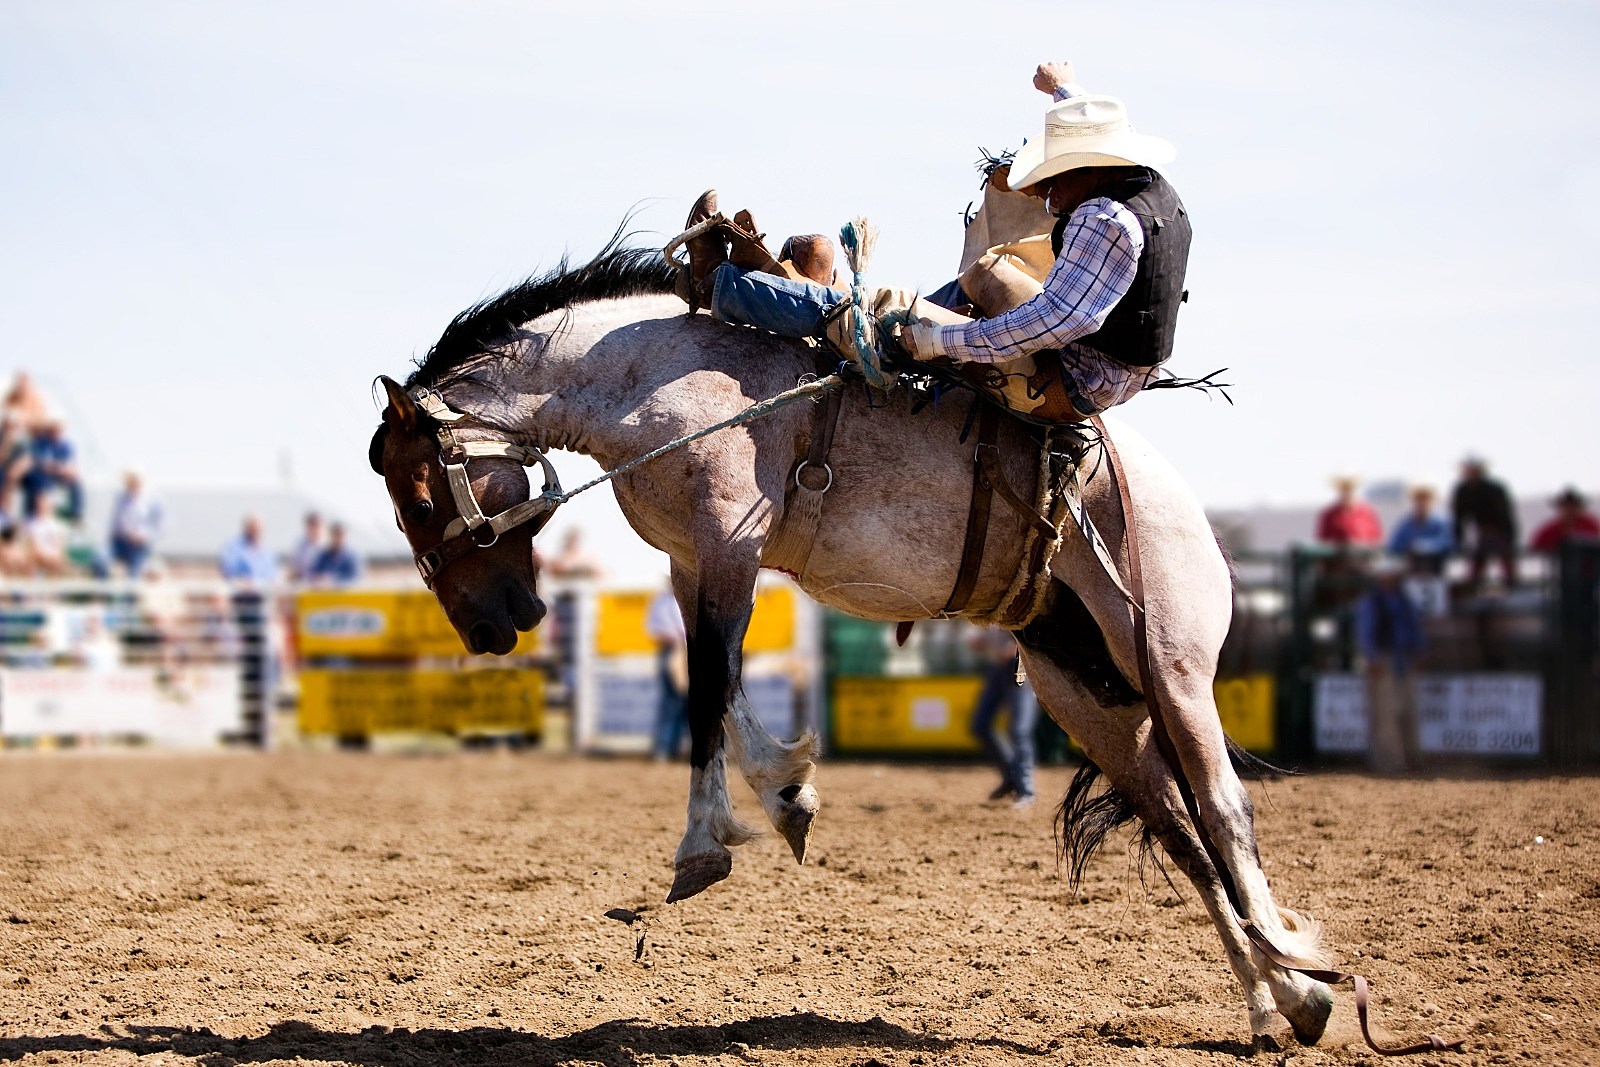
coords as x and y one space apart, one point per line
135 525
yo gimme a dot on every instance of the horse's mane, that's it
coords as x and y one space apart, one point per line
616 271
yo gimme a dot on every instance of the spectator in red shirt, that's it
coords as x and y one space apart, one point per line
1348 522
1573 522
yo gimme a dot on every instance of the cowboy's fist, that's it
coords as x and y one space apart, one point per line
1052 76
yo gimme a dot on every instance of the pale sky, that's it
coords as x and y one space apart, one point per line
220 221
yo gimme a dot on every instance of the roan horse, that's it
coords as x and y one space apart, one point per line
602 360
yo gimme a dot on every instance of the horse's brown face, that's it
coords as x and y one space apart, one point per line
490 593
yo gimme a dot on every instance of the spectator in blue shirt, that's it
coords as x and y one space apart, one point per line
52 465
336 564
1423 538
245 560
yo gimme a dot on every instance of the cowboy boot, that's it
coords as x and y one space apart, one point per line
812 257
747 248
707 252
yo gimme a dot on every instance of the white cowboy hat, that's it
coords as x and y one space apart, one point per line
1086 131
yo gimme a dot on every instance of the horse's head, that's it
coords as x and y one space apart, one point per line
485 582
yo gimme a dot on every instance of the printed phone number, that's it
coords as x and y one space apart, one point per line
1469 740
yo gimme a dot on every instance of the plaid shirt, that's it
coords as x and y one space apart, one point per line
1099 256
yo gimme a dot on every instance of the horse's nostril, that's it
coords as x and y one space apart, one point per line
481 637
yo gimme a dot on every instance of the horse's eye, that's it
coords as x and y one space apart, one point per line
420 512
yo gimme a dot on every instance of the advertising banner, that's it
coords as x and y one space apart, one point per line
1479 714
363 702
386 624
187 706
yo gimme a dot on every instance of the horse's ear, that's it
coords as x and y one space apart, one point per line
402 410
375 449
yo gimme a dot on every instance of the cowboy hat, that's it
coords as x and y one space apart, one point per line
1085 131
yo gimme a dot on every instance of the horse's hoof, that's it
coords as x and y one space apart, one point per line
697 873
1310 1017
1264 1043
797 818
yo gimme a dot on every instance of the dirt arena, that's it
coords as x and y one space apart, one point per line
346 909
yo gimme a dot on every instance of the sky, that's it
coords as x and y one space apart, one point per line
218 222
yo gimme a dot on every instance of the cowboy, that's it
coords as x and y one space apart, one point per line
1108 307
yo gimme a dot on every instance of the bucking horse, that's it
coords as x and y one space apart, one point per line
602 359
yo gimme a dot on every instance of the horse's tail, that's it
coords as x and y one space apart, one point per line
1086 817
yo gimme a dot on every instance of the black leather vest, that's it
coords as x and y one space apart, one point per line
1139 330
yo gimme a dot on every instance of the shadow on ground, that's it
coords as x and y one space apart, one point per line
621 1042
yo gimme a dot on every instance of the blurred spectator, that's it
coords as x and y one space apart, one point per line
44 540
664 624
135 525
1001 693
13 553
13 465
306 550
51 467
1573 522
1485 522
25 407
573 560
1348 522
97 647
336 564
1389 637
1422 538
244 560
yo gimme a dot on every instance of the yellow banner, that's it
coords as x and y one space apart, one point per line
363 702
1248 708
905 714
930 714
379 624
620 629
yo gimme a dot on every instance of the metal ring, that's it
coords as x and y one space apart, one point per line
806 463
485 544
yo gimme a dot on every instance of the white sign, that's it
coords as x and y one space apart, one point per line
930 713
1481 714
186 706
1339 710
1487 714
629 699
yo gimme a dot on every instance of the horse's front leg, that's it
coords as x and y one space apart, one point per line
780 773
715 623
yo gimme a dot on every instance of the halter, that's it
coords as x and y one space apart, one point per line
471 528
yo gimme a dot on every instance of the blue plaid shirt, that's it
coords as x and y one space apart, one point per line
1100 250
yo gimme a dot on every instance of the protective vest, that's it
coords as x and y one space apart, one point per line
1140 328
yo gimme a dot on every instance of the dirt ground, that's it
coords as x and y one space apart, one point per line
385 910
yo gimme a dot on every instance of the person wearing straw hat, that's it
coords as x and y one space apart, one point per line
1109 306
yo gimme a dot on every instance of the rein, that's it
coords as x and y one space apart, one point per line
1169 752
472 529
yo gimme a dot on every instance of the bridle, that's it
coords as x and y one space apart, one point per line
471 528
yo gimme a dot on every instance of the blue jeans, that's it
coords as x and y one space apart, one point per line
782 306
672 713
131 554
1013 756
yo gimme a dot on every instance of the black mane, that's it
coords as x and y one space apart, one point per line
617 271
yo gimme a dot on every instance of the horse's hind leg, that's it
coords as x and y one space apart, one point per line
1083 691
1183 685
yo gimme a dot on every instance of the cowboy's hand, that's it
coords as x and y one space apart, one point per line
917 339
1052 76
